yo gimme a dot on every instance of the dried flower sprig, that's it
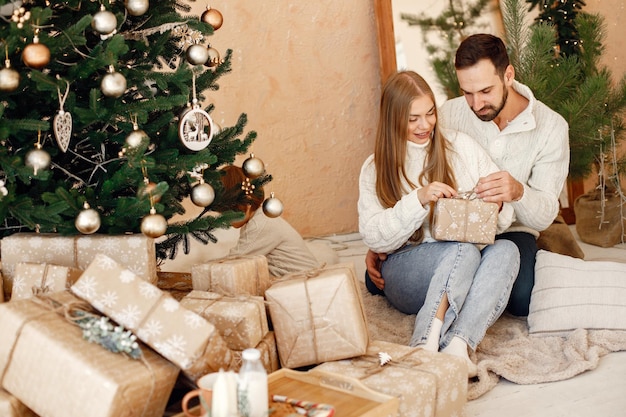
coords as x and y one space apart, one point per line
113 338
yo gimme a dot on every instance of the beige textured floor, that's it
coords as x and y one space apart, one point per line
600 392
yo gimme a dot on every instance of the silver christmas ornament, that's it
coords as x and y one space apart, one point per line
202 194
37 159
153 225
197 54
272 207
87 221
9 78
113 84
253 167
104 22
136 7
134 138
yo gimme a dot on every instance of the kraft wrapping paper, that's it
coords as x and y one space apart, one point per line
318 316
241 275
49 367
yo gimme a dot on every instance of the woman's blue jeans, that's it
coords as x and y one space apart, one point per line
477 284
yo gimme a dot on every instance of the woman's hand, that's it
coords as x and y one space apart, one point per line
434 191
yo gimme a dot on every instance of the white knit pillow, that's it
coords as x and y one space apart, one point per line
571 293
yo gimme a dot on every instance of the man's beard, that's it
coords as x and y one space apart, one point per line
495 111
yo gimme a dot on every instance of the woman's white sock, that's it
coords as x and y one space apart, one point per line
432 343
458 347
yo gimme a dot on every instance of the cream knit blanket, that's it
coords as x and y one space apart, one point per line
507 350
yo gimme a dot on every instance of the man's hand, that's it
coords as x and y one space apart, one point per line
499 187
372 263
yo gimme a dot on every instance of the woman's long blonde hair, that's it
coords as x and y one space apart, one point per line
391 140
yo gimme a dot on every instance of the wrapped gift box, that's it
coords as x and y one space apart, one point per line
241 275
318 316
31 279
269 354
242 321
48 366
135 252
12 407
178 334
428 384
465 220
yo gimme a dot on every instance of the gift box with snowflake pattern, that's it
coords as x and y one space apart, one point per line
50 368
12 407
240 275
428 384
269 354
136 252
242 321
465 220
31 279
180 335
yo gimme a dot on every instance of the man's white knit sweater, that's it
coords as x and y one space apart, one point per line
533 148
385 230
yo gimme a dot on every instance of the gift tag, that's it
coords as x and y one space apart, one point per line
63 129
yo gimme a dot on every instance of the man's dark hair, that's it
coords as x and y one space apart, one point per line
482 46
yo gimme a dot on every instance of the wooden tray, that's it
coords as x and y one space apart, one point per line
348 396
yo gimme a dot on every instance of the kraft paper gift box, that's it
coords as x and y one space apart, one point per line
12 407
180 335
269 354
428 384
465 220
242 321
49 367
31 279
241 275
136 252
318 316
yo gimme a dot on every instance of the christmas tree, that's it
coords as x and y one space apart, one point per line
561 14
102 123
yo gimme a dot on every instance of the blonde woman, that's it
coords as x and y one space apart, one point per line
456 289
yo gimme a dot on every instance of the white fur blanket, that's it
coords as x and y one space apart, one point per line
507 350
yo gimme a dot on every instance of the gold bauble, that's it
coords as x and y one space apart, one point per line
202 195
272 207
87 221
153 225
9 79
214 58
36 55
147 190
213 17
136 7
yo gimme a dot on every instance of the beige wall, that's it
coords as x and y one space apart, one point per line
306 74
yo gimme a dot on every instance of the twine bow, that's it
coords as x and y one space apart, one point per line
373 364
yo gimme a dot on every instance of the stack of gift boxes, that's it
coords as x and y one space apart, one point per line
191 323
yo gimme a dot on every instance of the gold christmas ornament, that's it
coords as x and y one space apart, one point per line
136 7
253 167
104 22
9 78
88 220
36 55
113 84
197 54
37 159
202 194
214 58
147 190
153 225
213 17
272 207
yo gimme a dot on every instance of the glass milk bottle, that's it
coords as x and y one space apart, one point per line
252 385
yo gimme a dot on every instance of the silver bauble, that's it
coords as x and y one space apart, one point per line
253 167
37 159
87 221
197 54
104 22
9 79
136 7
153 225
134 138
202 195
113 84
272 207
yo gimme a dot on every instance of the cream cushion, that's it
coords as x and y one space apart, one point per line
572 293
